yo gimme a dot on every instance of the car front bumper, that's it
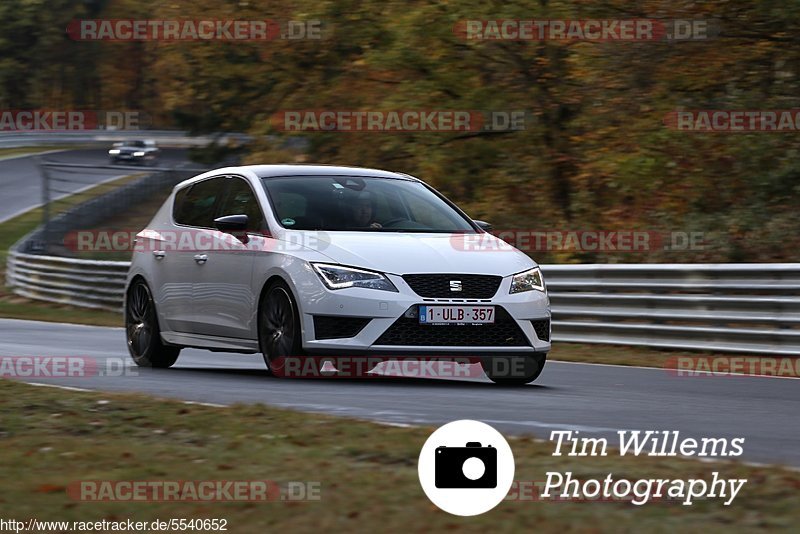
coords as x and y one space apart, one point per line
131 157
383 309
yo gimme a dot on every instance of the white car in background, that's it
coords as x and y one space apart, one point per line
299 260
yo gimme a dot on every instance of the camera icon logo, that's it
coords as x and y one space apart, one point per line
472 466
466 467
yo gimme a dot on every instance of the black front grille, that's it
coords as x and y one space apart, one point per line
542 328
473 286
333 327
504 332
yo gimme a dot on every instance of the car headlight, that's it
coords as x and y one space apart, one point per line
138 154
527 281
339 277
114 151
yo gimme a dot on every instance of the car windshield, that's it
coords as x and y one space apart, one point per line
349 203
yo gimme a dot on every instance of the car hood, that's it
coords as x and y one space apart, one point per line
404 253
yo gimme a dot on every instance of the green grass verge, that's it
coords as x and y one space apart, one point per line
367 472
618 354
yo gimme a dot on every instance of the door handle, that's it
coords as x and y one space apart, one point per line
201 258
159 254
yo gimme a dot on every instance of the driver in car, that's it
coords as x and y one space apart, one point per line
363 212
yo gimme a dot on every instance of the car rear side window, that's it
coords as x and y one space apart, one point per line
194 206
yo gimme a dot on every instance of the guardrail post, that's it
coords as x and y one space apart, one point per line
45 201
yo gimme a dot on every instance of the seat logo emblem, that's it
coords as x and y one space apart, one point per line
455 285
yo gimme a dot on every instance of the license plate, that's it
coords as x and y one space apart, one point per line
456 314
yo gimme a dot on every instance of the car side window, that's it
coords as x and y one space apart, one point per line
196 206
240 200
177 204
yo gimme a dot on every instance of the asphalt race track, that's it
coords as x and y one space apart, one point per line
21 181
596 400
593 399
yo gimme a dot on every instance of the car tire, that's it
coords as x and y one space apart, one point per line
514 370
142 330
279 329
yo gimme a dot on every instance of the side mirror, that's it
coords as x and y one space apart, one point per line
483 225
233 224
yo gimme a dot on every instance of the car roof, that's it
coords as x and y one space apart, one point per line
304 169
301 169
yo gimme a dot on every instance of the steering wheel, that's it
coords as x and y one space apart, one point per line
394 221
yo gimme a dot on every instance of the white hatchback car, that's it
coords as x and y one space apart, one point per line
294 261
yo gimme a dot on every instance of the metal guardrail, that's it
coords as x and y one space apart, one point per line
84 283
741 308
174 138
